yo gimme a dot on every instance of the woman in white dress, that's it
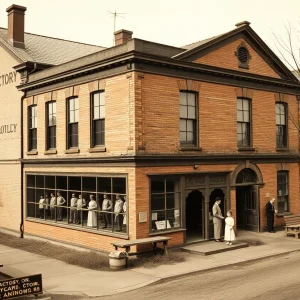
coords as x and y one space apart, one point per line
92 215
229 236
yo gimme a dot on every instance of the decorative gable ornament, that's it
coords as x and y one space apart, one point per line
243 55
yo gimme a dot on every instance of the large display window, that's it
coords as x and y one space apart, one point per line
93 202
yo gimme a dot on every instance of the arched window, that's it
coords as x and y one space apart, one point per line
246 176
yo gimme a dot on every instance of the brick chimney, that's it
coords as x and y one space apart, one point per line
122 36
16 26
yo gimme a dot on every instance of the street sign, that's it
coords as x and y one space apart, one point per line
23 286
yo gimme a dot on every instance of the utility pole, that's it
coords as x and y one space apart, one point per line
115 15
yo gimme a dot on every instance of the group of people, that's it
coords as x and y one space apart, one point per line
55 207
229 234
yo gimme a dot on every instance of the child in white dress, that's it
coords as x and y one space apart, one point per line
229 236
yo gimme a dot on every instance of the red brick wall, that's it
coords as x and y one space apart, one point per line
158 121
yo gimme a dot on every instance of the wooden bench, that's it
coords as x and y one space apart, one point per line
292 225
153 240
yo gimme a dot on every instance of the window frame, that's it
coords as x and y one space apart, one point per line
177 193
285 197
249 123
196 139
41 186
93 121
285 134
30 146
69 127
48 127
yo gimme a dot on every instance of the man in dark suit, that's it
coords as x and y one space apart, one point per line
270 211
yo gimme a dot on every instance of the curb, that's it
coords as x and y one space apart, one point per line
225 266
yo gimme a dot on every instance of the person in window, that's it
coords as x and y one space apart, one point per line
270 212
118 210
124 210
106 206
52 205
47 206
92 215
60 203
73 209
81 203
42 207
229 235
217 219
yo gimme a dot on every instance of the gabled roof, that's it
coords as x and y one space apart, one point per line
199 43
202 47
48 50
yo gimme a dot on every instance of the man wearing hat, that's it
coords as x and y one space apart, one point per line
217 219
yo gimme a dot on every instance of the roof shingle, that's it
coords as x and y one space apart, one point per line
48 50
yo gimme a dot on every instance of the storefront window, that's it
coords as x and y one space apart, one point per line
165 204
97 203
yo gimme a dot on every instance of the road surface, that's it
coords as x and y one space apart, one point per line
276 279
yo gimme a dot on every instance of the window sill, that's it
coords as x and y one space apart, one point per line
50 151
160 232
284 214
32 152
190 148
283 149
97 149
72 151
246 149
124 236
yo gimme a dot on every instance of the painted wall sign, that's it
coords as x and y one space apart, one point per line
8 78
8 128
16 287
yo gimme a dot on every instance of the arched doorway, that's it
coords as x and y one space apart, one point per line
194 216
247 200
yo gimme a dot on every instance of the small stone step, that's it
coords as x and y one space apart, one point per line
212 247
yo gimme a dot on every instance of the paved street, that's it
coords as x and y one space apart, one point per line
275 279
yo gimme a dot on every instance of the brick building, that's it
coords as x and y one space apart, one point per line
167 130
31 53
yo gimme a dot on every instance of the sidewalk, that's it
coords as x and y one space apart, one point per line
62 278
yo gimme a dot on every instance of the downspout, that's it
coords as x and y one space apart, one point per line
22 168
22 156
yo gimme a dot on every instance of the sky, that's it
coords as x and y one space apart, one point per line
171 22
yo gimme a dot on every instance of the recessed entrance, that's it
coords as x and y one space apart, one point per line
247 200
194 216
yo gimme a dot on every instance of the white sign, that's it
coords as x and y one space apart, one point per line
176 213
162 225
154 216
143 217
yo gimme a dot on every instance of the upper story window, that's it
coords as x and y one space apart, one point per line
283 191
243 122
51 125
188 119
281 128
73 117
98 119
32 127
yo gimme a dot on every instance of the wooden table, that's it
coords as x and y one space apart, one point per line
154 240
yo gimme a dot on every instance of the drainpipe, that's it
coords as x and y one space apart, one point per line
22 168
22 156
